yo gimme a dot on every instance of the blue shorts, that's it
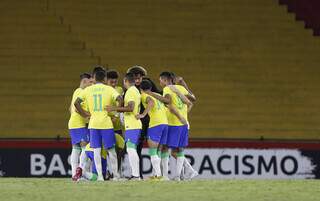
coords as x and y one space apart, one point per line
102 136
158 133
79 135
118 132
178 136
90 155
133 136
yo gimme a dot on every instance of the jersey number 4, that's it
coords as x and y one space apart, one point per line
97 98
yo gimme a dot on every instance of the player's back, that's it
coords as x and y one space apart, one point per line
99 96
177 103
158 113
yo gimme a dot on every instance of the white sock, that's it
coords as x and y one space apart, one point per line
83 158
187 165
114 162
165 166
74 160
134 161
155 161
97 161
180 161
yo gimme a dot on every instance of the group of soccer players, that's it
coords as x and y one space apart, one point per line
107 121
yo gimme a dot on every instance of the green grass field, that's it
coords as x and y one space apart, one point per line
21 189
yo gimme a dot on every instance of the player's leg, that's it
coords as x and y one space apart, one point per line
164 153
174 136
181 159
132 139
104 167
74 158
76 137
91 175
84 132
191 173
95 143
109 142
154 137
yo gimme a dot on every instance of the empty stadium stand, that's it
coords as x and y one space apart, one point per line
307 11
40 62
253 67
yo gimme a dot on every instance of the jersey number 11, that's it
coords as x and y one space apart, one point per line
97 102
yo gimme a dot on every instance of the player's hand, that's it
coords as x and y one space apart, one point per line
178 80
140 116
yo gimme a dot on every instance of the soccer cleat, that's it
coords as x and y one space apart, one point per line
176 179
194 174
100 178
78 174
191 175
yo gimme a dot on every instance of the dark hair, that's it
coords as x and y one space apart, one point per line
137 70
85 75
98 68
167 75
130 78
112 74
145 85
100 75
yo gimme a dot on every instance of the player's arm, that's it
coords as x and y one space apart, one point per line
174 111
183 97
128 108
179 80
80 110
150 104
119 100
164 99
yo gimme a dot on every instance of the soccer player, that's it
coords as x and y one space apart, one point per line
117 118
139 75
177 120
133 125
78 129
158 125
112 80
190 172
97 97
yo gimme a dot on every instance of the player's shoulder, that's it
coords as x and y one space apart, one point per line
133 90
77 91
181 88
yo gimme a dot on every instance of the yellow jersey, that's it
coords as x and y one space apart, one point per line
130 120
178 104
117 124
97 97
157 114
76 120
